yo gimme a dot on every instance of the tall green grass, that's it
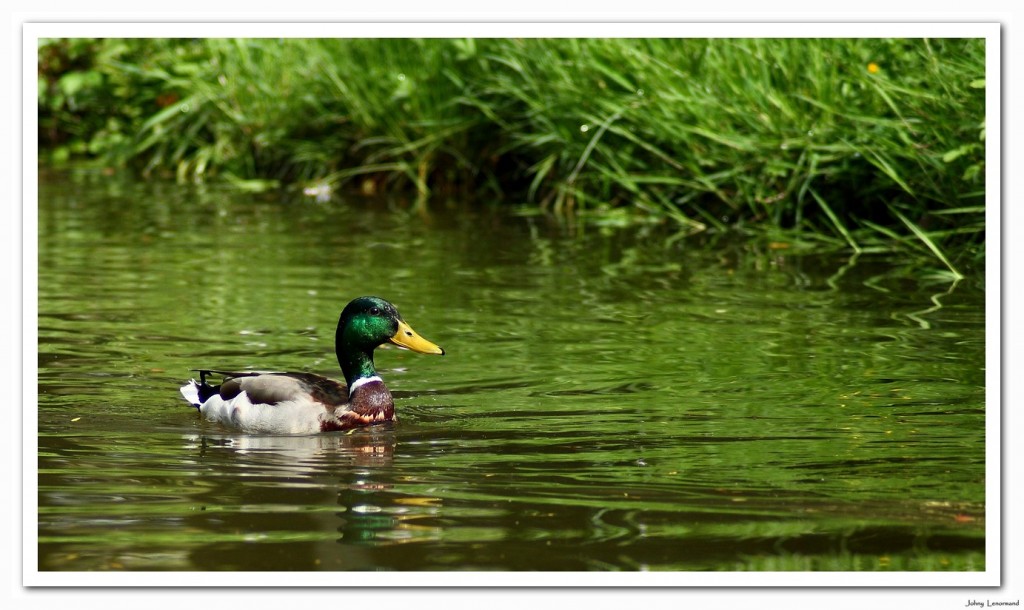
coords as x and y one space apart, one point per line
852 138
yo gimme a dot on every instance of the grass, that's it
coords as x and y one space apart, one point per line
863 139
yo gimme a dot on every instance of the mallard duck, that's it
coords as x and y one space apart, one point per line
304 403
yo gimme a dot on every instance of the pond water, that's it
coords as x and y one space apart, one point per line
612 398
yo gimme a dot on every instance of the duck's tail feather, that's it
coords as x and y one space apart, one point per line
198 392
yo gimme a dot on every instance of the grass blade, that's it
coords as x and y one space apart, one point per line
928 242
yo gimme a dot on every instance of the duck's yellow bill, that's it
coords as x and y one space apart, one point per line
406 337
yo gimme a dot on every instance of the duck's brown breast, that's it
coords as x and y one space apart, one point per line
371 403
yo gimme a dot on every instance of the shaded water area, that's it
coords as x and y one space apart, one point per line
611 398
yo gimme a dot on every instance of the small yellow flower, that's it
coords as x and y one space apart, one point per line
872 67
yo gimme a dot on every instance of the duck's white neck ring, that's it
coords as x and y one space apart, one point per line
361 382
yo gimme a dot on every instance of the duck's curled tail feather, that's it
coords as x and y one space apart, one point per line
198 392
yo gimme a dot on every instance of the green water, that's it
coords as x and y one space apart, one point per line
611 399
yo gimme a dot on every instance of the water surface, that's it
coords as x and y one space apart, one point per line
612 398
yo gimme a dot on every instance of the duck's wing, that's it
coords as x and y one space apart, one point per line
274 388
264 389
228 374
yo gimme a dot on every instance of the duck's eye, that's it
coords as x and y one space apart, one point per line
375 311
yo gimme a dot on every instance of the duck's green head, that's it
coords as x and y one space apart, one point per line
367 322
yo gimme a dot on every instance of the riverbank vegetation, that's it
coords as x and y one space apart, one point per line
862 143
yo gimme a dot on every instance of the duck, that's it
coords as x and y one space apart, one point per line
306 403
